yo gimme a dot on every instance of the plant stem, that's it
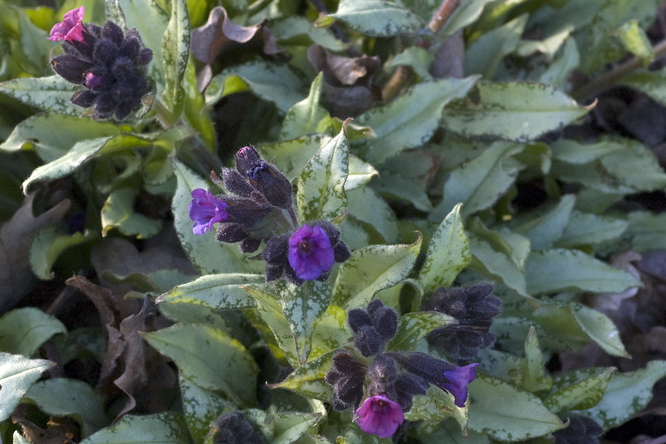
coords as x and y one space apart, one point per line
403 74
610 78
163 114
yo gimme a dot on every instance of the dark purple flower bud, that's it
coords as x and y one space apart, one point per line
474 309
237 183
406 387
92 80
250 245
382 376
358 319
230 233
233 428
71 28
384 319
310 252
347 376
368 341
374 328
580 430
206 210
458 380
246 158
380 416
70 68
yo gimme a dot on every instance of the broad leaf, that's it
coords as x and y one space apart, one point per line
118 212
159 428
515 111
581 395
217 291
308 379
47 93
544 229
17 375
412 327
378 18
201 408
485 54
47 246
23 330
306 116
210 358
176 51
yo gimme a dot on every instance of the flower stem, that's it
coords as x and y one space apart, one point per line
610 78
163 114
403 74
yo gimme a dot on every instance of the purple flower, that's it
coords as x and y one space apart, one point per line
310 252
71 28
206 211
458 380
92 80
380 416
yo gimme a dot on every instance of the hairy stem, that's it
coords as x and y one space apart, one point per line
610 78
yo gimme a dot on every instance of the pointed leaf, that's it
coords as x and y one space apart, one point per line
306 116
159 428
448 253
412 327
515 111
118 212
321 193
49 244
544 230
371 269
533 375
176 51
210 358
47 93
437 405
331 332
581 395
308 380
201 408
377 18
217 291
17 375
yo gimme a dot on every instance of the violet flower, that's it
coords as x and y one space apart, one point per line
70 29
310 252
458 380
206 210
380 416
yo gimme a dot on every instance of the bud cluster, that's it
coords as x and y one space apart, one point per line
474 308
258 208
380 386
109 63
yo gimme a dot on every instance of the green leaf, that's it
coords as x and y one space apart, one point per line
201 408
647 231
48 93
159 428
306 116
562 66
559 270
465 14
217 291
437 405
23 330
289 427
371 269
411 119
373 213
17 438
82 152
321 185
480 182
210 358
377 18
17 375
360 173
302 306
176 51
600 329
270 311
574 152
412 327
500 410
331 332
590 229
581 395
533 377
209 256
298 31
485 54
623 164
291 156
47 246
546 228
448 253
118 212
516 111
415 57
626 395
275 82
308 380
73 398
449 432
151 22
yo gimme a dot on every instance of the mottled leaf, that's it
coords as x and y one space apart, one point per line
17 375
159 428
581 395
412 327
217 291
378 18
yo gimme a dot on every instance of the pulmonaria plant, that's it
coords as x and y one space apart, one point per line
259 208
380 386
109 64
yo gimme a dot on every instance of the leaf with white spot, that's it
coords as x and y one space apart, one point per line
17 375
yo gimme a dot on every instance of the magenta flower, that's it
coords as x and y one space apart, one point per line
206 210
380 416
92 80
310 252
458 380
71 28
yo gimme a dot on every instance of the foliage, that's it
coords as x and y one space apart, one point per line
450 147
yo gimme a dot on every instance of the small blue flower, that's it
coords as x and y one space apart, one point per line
310 252
206 210
380 416
458 380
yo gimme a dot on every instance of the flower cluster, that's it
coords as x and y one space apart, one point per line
110 64
380 386
474 308
259 208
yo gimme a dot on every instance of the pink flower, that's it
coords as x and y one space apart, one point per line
380 416
310 252
71 28
206 210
